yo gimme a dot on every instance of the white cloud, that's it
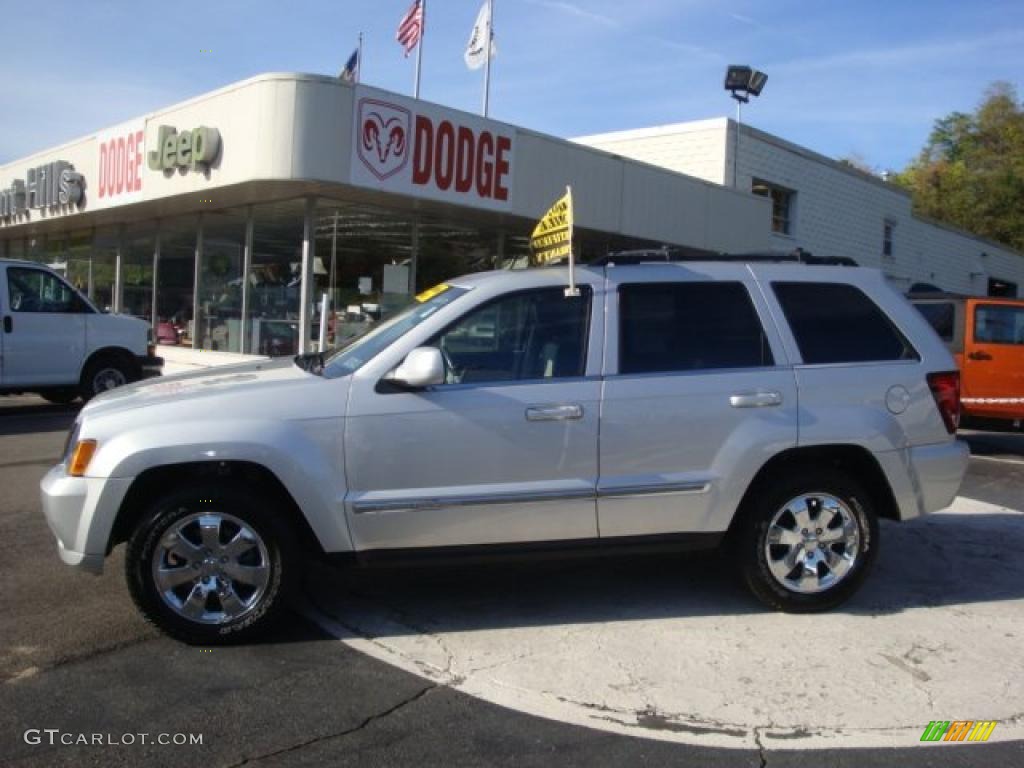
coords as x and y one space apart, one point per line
579 12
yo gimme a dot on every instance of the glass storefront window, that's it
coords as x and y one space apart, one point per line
219 315
103 261
35 249
137 273
79 259
448 250
363 262
275 279
175 280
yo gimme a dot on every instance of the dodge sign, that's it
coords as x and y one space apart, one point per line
410 147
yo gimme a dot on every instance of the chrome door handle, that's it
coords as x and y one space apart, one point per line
755 399
554 412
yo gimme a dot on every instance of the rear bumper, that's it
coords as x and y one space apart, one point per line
925 478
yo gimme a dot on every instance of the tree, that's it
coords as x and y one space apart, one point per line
971 172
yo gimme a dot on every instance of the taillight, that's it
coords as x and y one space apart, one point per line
945 387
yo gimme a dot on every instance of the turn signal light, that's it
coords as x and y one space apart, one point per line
81 457
945 387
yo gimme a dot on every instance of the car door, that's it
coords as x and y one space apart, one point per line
993 366
505 451
697 397
43 328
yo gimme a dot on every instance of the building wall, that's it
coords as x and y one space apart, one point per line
837 211
697 149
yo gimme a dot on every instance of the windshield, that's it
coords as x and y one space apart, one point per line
360 350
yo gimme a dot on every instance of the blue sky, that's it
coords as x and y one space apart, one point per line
866 77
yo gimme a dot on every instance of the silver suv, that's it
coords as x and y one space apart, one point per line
777 410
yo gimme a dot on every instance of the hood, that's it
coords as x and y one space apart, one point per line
249 378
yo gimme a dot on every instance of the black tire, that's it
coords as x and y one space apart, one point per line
59 396
103 371
212 500
749 543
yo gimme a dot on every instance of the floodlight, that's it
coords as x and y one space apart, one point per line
737 78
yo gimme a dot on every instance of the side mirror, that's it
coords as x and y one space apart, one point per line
423 367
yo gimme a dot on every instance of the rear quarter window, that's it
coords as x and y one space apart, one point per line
839 323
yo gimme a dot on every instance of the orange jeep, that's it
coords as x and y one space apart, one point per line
986 336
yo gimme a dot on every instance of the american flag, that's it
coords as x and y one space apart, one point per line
410 29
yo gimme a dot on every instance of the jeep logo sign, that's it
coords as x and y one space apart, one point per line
195 149
418 149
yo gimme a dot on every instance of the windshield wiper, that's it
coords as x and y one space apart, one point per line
313 362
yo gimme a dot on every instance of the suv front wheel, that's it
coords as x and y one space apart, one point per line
210 565
808 540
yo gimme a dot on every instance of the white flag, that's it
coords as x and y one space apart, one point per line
476 54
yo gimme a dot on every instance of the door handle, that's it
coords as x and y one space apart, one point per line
554 412
979 355
8 324
755 399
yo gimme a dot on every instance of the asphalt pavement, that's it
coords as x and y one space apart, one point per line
76 661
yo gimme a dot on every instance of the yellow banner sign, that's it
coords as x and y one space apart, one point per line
552 237
430 293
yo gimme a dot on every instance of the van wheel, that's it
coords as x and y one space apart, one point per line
103 373
807 541
211 565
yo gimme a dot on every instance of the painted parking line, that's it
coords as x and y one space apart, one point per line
663 649
1000 459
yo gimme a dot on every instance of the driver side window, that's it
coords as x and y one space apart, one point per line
32 290
536 334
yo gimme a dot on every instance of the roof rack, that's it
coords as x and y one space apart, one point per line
656 255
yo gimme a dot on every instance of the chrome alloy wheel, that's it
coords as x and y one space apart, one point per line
211 568
812 544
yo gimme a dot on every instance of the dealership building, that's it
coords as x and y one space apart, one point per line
826 207
232 214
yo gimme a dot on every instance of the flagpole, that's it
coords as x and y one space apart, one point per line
359 60
487 59
572 290
419 48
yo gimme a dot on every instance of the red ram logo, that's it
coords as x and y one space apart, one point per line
383 137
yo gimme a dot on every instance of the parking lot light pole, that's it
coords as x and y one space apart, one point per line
742 82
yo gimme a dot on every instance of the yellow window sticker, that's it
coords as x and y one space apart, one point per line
430 293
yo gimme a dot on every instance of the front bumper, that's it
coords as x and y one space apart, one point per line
80 512
150 365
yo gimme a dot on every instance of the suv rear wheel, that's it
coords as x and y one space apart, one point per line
808 540
210 565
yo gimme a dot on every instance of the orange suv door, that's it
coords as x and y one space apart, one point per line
993 365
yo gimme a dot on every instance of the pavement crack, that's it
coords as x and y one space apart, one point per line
16 678
366 722
761 754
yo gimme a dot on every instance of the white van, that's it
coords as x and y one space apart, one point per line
54 342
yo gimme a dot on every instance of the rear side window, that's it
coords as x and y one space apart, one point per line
940 316
998 324
838 323
689 326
